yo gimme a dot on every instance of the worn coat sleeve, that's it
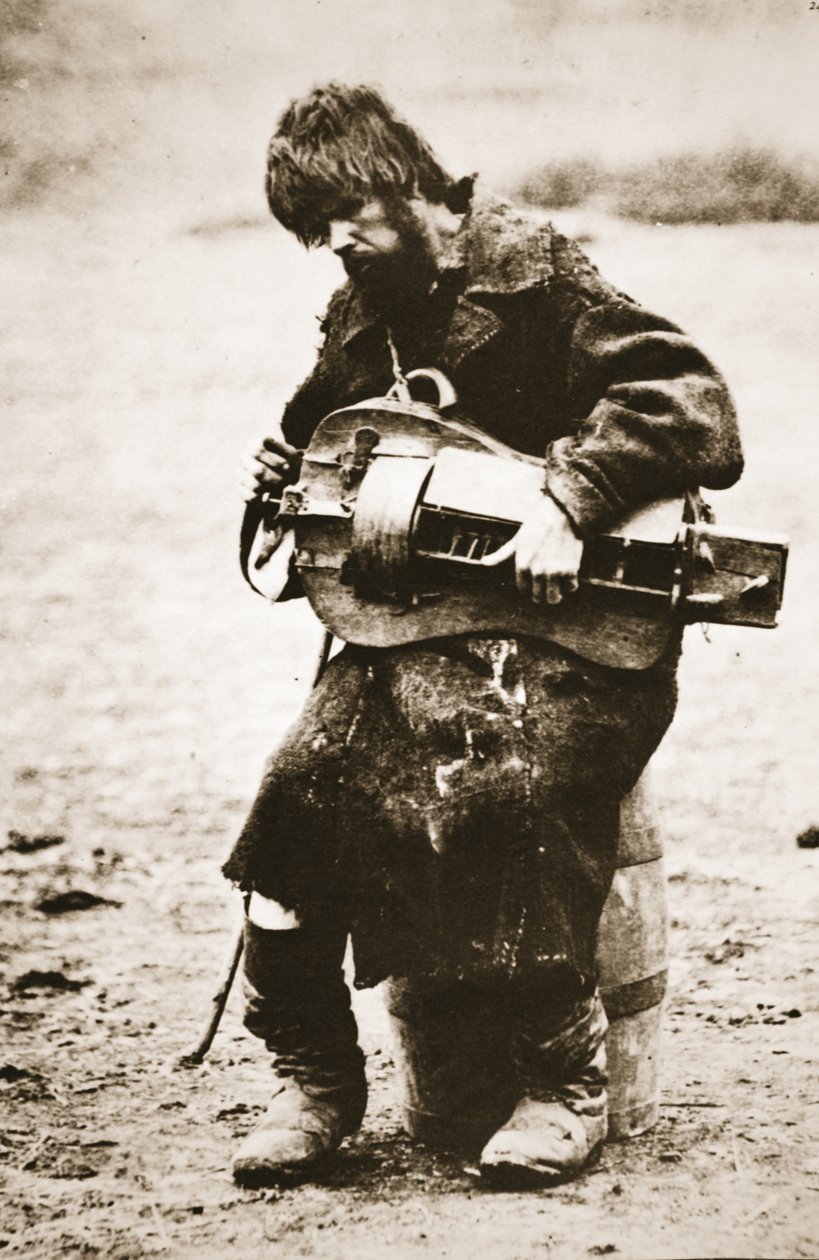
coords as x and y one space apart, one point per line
653 417
311 401
329 385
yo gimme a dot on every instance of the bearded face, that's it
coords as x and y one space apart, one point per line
387 252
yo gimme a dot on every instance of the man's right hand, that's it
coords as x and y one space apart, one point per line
266 469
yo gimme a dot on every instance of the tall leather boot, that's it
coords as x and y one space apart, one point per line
559 1125
298 1002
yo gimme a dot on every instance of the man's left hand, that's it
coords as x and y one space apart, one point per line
547 554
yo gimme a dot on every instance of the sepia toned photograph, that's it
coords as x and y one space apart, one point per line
410 818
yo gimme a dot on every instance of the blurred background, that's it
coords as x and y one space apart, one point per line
154 320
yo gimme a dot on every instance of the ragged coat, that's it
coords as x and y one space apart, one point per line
454 803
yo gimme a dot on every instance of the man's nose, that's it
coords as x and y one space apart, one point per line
340 235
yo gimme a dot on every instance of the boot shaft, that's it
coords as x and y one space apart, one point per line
297 1002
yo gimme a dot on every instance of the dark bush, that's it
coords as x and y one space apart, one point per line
564 183
736 185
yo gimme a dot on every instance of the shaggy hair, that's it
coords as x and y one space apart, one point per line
340 146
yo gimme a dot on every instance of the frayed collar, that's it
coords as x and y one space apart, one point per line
500 249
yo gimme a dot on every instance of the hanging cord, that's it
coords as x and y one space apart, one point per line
401 386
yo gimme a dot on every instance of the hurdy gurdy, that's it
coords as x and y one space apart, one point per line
398 507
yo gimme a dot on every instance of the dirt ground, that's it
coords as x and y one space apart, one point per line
143 687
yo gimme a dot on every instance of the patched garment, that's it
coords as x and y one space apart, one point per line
456 804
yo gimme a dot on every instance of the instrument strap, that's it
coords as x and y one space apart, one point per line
252 519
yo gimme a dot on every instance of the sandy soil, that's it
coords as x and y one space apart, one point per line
144 685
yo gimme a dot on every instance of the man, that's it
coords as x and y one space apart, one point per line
452 804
